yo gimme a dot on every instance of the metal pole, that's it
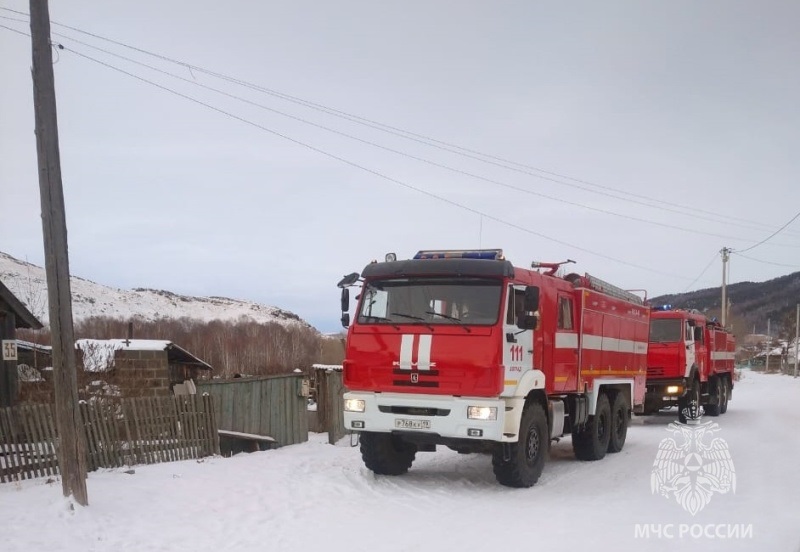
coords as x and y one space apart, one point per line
769 346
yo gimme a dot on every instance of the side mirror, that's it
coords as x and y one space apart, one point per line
531 303
345 299
528 320
698 334
345 319
348 280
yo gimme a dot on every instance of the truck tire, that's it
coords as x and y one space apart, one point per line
591 442
619 423
716 388
520 464
386 455
726 395
692 395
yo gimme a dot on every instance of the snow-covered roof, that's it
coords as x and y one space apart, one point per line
327 366
23 318
98 354
30 346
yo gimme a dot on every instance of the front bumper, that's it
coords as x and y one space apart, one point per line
662 393
443 416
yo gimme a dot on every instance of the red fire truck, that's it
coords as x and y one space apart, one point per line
462 349
690 360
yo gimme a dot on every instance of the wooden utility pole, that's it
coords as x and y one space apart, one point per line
71 442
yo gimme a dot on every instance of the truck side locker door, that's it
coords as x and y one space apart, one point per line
565 351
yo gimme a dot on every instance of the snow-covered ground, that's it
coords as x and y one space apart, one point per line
320 497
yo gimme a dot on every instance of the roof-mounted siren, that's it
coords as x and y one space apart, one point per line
552 268
485 254
602 286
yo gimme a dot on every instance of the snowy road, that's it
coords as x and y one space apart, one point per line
316 496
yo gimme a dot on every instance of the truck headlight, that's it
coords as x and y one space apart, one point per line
482 412
354 405
673 389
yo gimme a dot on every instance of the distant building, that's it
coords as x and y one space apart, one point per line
13 315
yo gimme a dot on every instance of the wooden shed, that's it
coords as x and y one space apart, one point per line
13 315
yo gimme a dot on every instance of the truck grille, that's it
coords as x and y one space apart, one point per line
414 411
655 372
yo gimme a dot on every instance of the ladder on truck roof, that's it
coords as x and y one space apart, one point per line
602 286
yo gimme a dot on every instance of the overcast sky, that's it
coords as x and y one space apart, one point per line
689 107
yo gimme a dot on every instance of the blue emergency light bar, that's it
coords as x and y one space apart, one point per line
663 308
487 254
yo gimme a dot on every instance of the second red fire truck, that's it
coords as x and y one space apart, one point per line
465 350
690 359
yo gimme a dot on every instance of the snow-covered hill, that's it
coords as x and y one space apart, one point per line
28 282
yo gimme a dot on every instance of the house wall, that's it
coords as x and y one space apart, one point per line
135 374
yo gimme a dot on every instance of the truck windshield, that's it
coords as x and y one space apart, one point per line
431 301
666 330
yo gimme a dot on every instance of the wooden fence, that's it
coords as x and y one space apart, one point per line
269 406
330 403
117 433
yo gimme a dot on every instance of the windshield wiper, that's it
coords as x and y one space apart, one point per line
382 319
447 316
412 317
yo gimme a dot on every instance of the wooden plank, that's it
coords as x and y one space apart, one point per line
102 452
139 455
147 432
12 424
196 444
130 455
171 417
37 436
110 432
101 417
48 449
31 455
176 426
162 447
117 440
180 414
50 429
37 439
93 454
213 423
204 419
5 449
96 414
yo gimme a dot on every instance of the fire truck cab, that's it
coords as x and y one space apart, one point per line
690 360
462 349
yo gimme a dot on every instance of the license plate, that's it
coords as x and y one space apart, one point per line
400 423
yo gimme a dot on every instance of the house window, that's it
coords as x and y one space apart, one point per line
565 313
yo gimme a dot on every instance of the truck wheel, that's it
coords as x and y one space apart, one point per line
691 397
717 392
619 423
385 454
726 395
591 442
520 464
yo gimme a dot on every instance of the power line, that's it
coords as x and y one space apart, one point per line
773 234
372 171
713 258
485 158
764 262
398 152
